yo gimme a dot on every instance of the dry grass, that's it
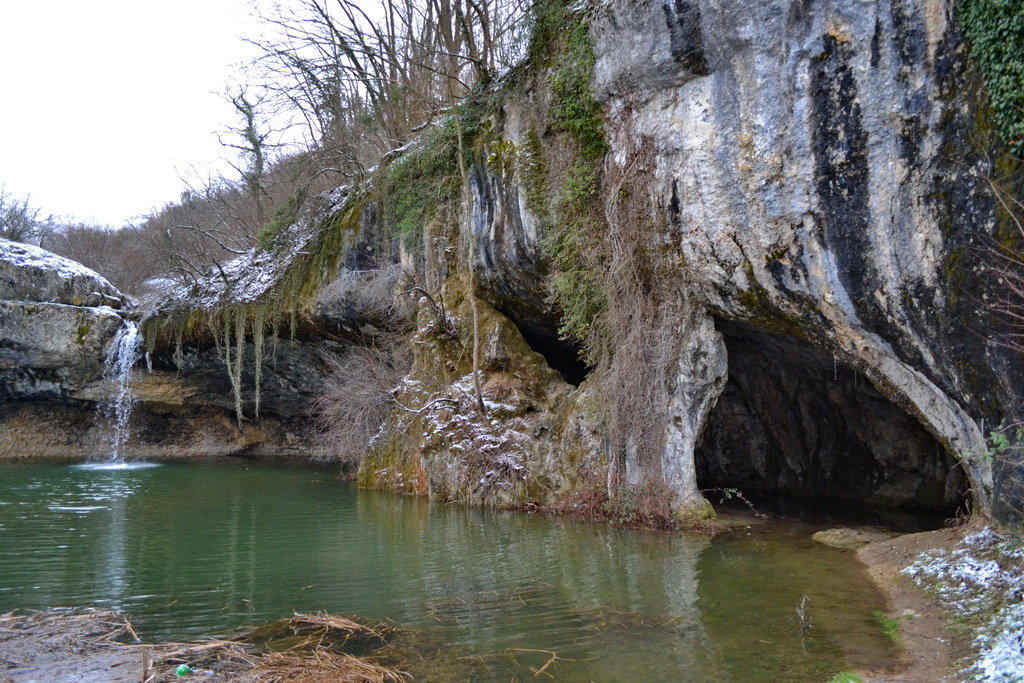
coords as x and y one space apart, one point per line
321 665
306 648
501 386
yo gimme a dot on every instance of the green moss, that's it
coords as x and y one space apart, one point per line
575 224
412 188
572 247
995 34
83 332
765 313
283 217
1009 172
393 462
573 108
532 169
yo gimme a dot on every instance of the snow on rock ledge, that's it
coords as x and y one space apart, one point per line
56 319
29 273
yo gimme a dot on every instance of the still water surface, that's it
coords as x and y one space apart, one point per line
194 549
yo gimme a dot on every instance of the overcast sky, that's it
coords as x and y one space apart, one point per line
105 103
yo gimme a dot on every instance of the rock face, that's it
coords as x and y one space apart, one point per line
792 418
28 273
815 164
55 323
817 169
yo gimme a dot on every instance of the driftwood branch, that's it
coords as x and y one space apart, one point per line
440 316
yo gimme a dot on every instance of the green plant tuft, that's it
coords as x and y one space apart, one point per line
575 225
890 626
283 217
573 108
415 185
572 247
845 677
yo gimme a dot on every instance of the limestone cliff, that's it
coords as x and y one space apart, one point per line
689 245
813 176
821 168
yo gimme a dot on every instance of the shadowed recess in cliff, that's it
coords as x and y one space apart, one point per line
795 422
561 355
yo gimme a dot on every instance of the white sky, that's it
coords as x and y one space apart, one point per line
104 104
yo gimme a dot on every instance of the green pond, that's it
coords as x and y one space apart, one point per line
204 548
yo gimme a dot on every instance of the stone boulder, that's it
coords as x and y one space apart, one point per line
56 320
29 273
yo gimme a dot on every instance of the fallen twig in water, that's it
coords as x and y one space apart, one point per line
552 658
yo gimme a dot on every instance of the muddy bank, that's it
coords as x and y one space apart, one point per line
930 649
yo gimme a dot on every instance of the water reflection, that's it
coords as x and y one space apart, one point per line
205 548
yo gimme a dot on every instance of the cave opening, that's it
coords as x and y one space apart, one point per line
539 328
561 355
803 435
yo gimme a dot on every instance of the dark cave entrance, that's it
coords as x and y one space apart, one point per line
539 327
561 355
800 433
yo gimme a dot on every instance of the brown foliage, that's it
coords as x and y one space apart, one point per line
642 301
356 398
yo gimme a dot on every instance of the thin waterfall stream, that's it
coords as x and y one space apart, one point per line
125 351
115 410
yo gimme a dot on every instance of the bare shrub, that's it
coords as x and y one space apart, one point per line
1004 258
356 399
20 222
368 294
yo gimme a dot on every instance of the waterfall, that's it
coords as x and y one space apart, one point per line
125 351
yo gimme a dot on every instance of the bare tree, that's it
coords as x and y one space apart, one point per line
20 222
251 138
119 255
363 76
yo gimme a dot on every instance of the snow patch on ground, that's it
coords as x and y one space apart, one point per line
982 582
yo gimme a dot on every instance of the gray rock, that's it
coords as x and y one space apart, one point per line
55 323
52 350
846 538
28 273
805 155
